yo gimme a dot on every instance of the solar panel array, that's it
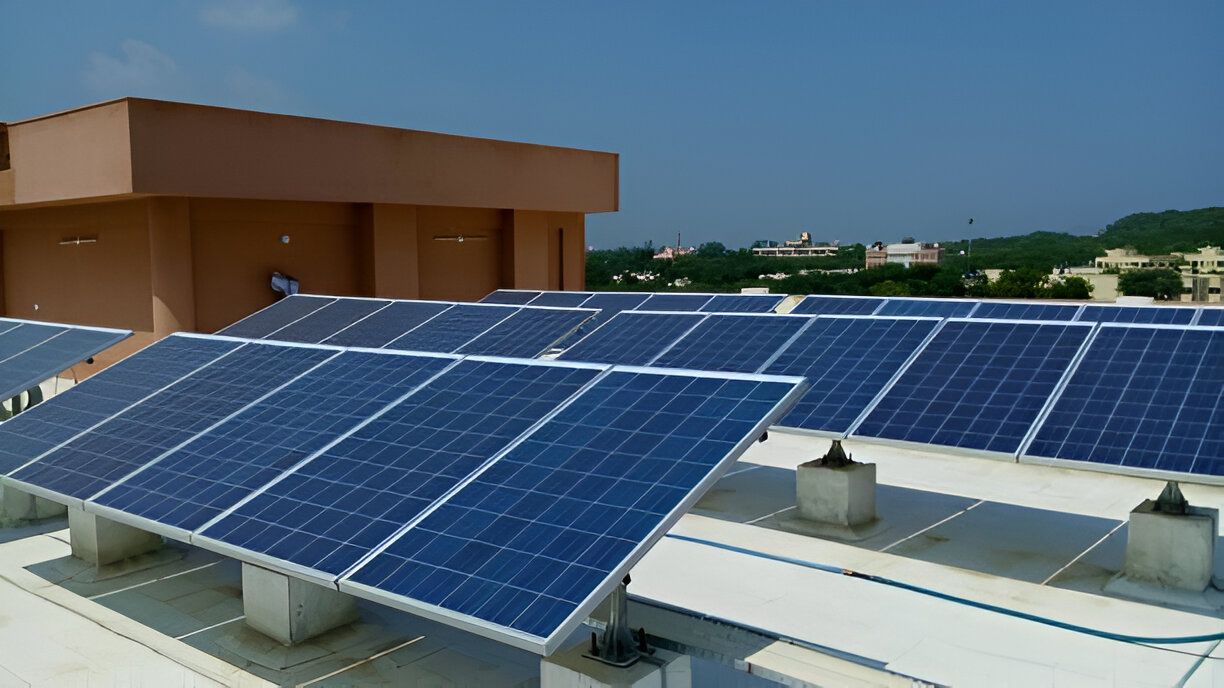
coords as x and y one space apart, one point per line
31 352
734 343
632 338
343 465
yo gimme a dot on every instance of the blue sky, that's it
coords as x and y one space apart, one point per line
856 121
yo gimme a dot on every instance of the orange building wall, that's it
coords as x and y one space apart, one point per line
454 270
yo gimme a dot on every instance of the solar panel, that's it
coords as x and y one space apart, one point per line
525 551
137 435
561 299
452 328
732 343
346 501
392 322
1147 315
48 355
41 428
511 297
743 303
1211 317
25 336
264 322
528 333
838 305
1142 397
328 320
847 361
632 338
197 482
951 308
674 302
978 384
1001 310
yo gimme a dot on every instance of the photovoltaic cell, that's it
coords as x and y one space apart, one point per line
743 303
732 343
847 361
1026 311
327 321
452 328
836 305
41 428
216 470
632 338
674 302
528 333
927 307
136 436
1212 317
510 297
345 502
1142 397
561 299
263 323
1146 315
388 324
977 385
531 543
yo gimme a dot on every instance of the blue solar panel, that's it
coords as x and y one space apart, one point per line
978 384
1146 315
927 307
528 333
510 297
1143 397
743 303
838 305
848 361
345 502
382 327
674 302
56 354
998 310
1211 317
732 343
452 328
537 540
6 325
287 310
328 320
611 303
39 429
161 422
632 338
561 299
18 339
216 470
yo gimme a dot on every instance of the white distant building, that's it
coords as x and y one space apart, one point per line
907 253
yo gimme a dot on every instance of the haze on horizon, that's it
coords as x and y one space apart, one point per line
854 121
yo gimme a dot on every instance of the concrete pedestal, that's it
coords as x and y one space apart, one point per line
843 496
1171 550
570 669
100 541
16 505
291 610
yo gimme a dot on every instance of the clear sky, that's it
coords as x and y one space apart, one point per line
855 120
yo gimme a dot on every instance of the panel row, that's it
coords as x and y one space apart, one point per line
31 352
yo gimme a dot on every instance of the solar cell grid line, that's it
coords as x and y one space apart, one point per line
632 337
1145 315
59 353
732 343
939 308
743 303
675 302
848 361
132 438
1211 317
328 320
561 299
344 502
529 547
977 385
392 322
448 331
57 420
25 337
288 310
1145 399
528 333
1015 310
820 304
6 325
186 488
511 297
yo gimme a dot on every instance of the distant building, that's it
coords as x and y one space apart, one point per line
671 252
907 253
1202 271
802 247
1129 259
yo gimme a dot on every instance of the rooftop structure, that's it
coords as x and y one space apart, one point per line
908 252
801 247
